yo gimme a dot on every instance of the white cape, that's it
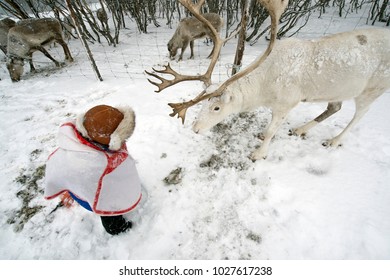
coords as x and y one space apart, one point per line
108 181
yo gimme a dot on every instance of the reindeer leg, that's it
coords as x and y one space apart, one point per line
332 108
192 49
32 68
185 45
30 61
68 56
212 51
44 51
277 119
362 104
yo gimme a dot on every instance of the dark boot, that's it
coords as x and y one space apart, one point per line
115 224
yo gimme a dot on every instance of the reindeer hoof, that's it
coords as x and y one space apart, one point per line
260 136
251 158
257 155
331 143
325 144
296 132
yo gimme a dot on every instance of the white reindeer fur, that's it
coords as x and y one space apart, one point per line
350 65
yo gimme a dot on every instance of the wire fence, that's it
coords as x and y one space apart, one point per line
137 51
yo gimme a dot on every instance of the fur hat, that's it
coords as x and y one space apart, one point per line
107 125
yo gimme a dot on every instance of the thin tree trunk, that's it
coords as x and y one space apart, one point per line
83 40
241 38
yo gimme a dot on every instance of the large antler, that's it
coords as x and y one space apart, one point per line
177 78
206 77
275 9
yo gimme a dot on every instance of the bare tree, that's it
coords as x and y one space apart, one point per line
241 39
15 9
380 10
83 40
146 12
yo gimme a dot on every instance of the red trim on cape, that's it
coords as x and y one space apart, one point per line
114 159
103 213
53 153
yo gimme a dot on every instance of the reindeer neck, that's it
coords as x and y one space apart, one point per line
248 90
18 48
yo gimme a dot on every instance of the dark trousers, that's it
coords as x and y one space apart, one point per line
115 224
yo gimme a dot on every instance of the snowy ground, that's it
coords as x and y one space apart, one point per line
303 202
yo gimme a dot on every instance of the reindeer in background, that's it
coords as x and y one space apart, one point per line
190 29
350 65
29 36
5 25
103 18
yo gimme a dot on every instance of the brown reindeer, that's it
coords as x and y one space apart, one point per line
190 29
5 25
103 18
29 36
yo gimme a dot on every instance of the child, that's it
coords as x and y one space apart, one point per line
92 164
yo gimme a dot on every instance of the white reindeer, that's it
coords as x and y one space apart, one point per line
351 65
29 36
